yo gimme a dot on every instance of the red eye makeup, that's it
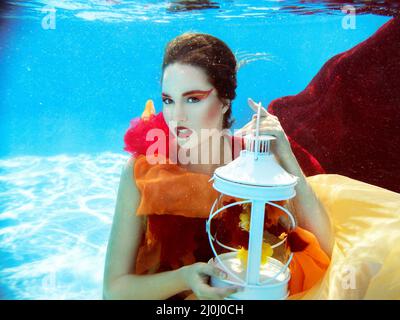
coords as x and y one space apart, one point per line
199 94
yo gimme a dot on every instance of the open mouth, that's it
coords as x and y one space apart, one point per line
183 132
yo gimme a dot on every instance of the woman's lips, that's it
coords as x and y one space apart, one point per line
183 132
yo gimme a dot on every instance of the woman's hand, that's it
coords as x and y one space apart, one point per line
269 124
196 278
310 212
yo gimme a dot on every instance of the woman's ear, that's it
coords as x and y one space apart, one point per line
225 106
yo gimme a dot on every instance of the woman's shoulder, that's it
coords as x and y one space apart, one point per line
129 166
127 178
130 162
129 194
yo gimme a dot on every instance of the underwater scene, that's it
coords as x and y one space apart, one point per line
75 73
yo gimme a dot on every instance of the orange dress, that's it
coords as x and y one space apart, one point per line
366 221
177 204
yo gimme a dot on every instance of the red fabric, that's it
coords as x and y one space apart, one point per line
348 116
135 136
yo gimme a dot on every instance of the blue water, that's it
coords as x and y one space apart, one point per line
67 95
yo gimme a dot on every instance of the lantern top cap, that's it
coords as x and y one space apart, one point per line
256 173
256 166
263 171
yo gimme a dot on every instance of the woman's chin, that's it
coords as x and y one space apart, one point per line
187 143
194 140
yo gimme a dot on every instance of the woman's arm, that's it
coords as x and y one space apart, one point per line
309 211
127 230
307 208
158 286
120 282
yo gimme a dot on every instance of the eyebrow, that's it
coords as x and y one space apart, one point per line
205 92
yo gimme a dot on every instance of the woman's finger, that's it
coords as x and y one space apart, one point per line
269 131
254 107
204 291
227 291
213 293
246 128
253 122
263 111
267 120
212 271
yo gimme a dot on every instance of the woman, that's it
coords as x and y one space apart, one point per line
198 86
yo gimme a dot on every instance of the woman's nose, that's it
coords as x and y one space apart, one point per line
180 113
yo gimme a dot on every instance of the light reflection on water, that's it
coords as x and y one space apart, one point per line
56 212
55 217
167 11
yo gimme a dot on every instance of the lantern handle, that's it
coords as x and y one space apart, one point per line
257 142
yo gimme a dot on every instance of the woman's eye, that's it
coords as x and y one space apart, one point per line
193 99
167 100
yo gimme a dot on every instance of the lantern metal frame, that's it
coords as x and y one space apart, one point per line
213 238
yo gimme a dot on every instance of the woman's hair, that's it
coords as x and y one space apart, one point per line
214 57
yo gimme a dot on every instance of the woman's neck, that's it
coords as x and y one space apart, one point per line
218 155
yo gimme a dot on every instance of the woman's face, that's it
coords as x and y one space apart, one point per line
190 104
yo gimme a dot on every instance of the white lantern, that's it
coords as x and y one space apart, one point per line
257 176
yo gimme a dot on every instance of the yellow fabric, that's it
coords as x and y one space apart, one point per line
365 262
